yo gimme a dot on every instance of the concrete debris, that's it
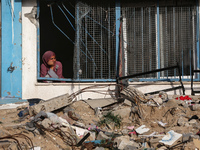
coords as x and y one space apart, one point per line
159 121
50 105
132 94
102 136
182 121
123 141
158 100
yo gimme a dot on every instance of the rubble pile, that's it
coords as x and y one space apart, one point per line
159 121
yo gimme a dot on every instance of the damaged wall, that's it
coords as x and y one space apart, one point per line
32 89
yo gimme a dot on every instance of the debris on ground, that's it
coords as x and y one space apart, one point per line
159 121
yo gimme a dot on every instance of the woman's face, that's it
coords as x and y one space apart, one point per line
52 61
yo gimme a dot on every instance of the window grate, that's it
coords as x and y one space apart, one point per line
96 42
177 37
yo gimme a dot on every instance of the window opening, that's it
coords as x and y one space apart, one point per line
177 30
95 27
90 54
56 33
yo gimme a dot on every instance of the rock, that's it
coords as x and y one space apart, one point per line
196 107
182 121
67 109
186 137
92 136
123 113
162 148
99 148
69 120
158 100
127 102
124 141
195 136
46 123
124 131
193 121
171 103
154 124
187 124
130 147
102 136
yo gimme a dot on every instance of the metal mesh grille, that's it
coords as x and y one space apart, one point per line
96 40
139 39
177 36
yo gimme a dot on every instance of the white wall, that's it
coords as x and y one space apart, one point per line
32 89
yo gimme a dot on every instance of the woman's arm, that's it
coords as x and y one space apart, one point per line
59 69
43 71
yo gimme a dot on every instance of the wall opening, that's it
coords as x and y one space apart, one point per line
53 39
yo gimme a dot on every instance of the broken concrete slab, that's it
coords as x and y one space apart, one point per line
171 103
158 100
123 141
196 107
50 105
95 103
123 113
102 136
182 121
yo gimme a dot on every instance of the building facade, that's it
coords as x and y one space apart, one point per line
96 43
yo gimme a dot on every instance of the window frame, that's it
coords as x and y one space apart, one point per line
69 79
118 15
158 52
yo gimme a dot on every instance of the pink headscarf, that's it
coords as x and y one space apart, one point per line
46 57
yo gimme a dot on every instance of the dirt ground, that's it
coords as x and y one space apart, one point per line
168 113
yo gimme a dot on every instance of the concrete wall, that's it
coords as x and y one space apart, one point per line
32 89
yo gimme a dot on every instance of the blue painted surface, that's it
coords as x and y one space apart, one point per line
118 14
77 80
158 37
38 44
198 56
5 100
11 81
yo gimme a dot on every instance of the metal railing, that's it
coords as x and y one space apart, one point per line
154 71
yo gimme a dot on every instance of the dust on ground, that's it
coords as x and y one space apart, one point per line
168 113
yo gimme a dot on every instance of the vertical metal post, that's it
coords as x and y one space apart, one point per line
101 45
174 38
93 45
77 38
38 43
86 45
150 45
198 39
109 43
158 36
142 18
117 7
